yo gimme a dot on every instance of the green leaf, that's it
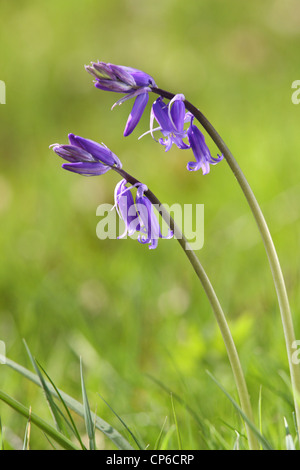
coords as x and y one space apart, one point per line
176 424
90 428
119 441
237 442
123 423
71 422
158 440
264 442
1 436
27 433
288 438
50 430
55 411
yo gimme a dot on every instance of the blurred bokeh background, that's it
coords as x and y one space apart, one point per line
139 318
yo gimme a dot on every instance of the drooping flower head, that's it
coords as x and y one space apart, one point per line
126 209
138 216
89 158
121 79
171 118
201 151
118 78
150 230
86 157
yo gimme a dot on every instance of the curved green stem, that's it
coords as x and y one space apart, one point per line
286 317
216 307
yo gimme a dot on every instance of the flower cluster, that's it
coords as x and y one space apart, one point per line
170 117
120 79
88 158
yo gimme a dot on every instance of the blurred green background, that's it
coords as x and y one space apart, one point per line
137 316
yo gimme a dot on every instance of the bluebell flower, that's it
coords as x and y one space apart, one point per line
201 151
138 216
149 230
126 209
118 78
89 158
86 157
171 118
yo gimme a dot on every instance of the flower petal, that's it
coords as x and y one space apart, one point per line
160 112
177 112
100 152
72 153
150 229
126 209
136 113
112 85
86 168
200 150
131 76
118 78
100 70
123 74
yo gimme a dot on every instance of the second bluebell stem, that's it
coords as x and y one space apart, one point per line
216 307
277 275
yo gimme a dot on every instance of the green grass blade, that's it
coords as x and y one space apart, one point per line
295 424
167 438
176 424
289 443
119 441
71 422
158 440
237 442
56 414
90 427
27 433
48 429
264 442
123 423
1 436
180 400
260 410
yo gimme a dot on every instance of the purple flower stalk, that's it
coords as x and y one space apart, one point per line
86 157
121 79
138 216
